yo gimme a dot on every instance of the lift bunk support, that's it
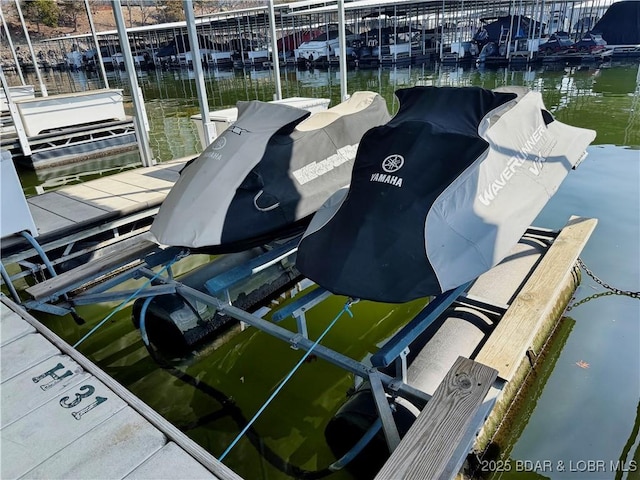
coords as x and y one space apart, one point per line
384 386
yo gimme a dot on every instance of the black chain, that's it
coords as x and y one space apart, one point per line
589 298
616 291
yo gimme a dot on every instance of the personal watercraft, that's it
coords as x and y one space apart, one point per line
440 194
266 175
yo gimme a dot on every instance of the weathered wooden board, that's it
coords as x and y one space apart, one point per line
428 446
537 301
134 250
111 450
31 389
199 456
168 463
23 353
59 422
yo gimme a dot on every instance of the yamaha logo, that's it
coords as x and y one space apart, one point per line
220 143
392 163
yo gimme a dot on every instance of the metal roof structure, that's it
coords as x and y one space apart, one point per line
292 15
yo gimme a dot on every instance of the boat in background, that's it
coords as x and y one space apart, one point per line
266 174
379 44
325 46
556 43
619 28
178 52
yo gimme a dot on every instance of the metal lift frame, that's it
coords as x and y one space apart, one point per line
384 387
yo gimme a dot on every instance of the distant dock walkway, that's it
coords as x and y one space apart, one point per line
95 219
79 207
62 417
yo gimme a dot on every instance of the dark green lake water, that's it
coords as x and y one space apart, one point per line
573 422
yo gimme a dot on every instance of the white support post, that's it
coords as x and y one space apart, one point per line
207 126
146 156
11 47
95 42
15 116
343 52
275 57
43 89
401 365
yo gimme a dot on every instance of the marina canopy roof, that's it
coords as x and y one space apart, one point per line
288 14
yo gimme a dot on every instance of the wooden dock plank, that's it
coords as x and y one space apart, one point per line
12 326
58 455
47 430
131 250
24 353
35 387
111 450
428 446
506 347
67 207
169 463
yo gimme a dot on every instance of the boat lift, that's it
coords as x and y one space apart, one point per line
56 295
94 282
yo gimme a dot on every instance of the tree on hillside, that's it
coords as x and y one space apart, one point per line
70 11
44 12
199 4
170 11
146 11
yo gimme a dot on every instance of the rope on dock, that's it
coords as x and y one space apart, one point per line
346 309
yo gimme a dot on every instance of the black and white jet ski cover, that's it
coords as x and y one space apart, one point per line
266 174
440 194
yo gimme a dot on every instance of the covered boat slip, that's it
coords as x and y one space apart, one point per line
62 417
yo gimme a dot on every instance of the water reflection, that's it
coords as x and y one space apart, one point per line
576 95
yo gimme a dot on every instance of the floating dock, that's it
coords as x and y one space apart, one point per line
66 128
63 417
95 216
466 408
